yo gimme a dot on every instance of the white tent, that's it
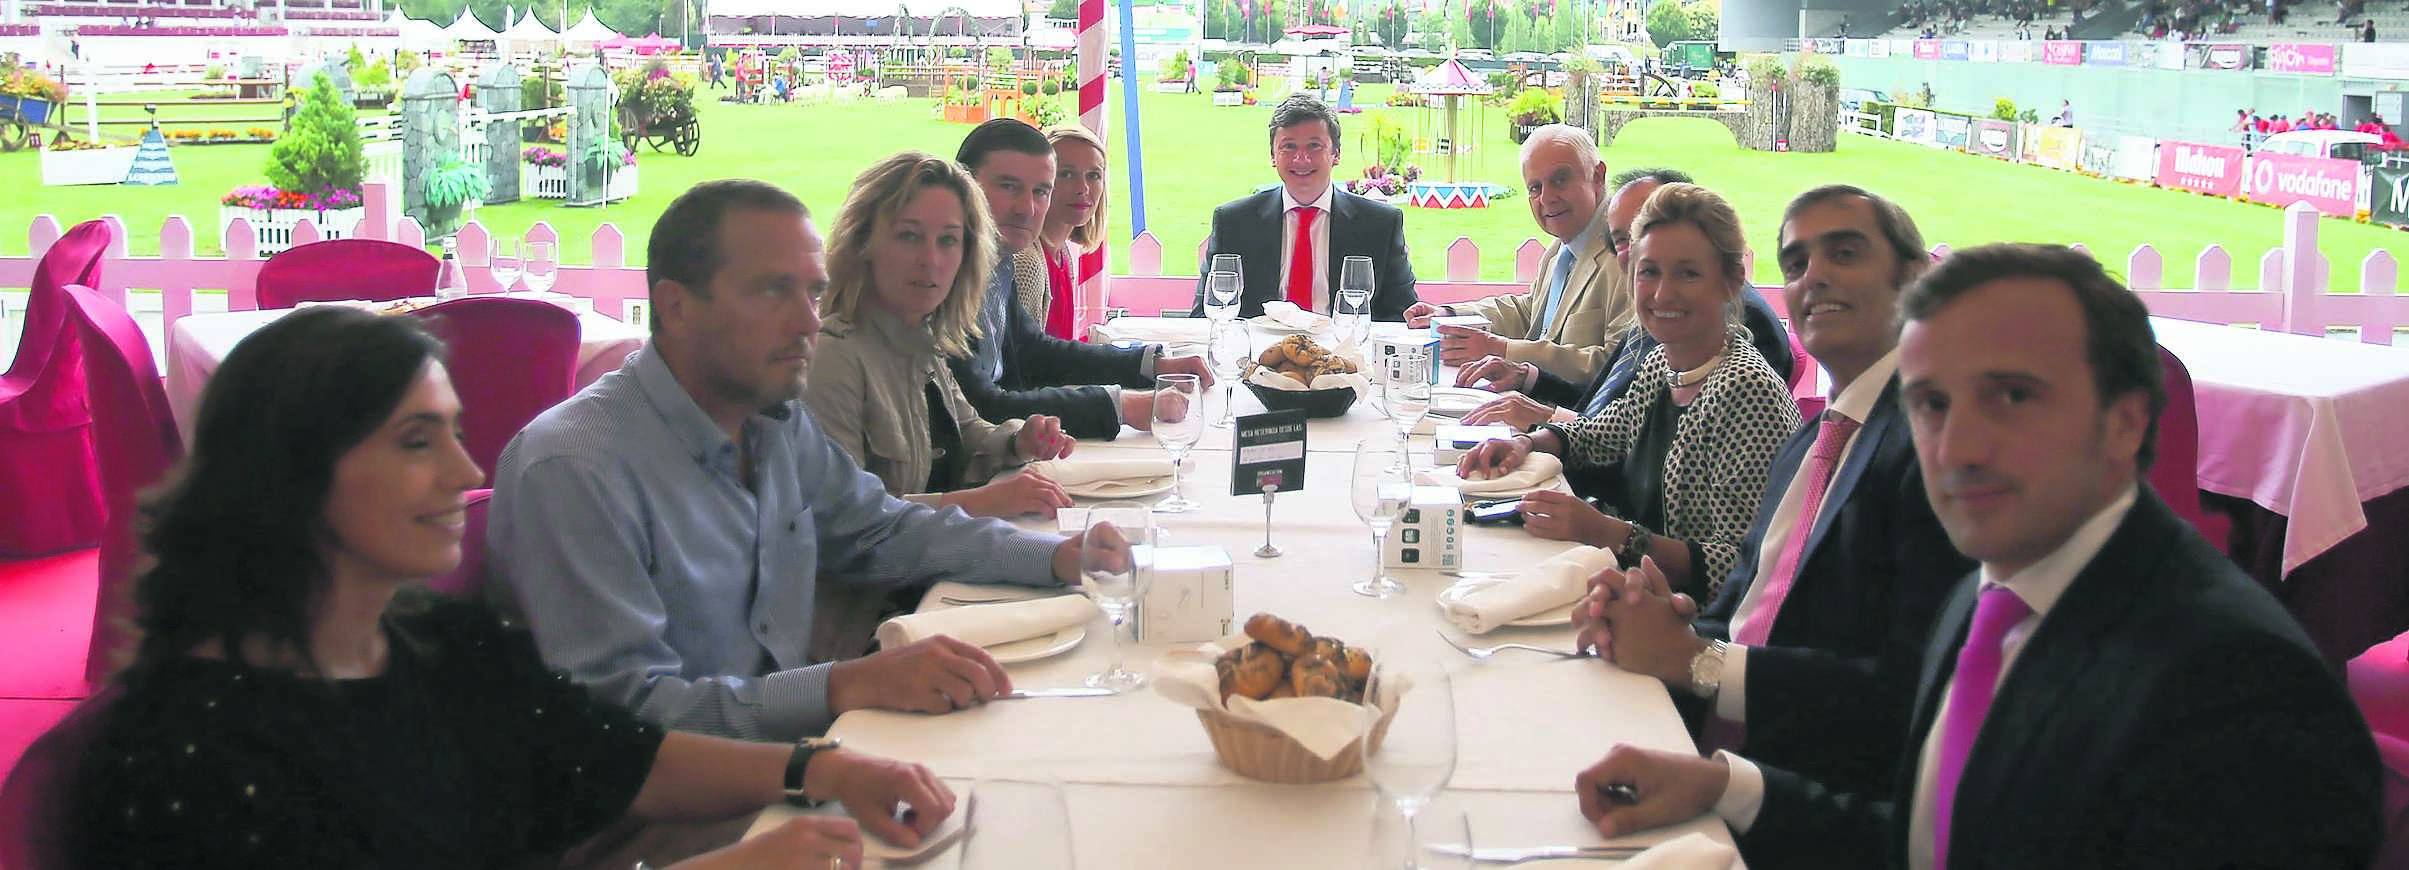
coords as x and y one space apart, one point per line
589 31
467 28
419 34
530 32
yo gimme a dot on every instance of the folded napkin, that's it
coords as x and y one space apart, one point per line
1081 472
1537 470
1559 581
1685 852
989 624
1287 314
1154 329
1322 725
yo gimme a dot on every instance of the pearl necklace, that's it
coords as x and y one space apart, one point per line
1697 375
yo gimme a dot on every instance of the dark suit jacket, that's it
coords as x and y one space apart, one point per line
1251 227
2168 713
1764 327
1829 693
1045 375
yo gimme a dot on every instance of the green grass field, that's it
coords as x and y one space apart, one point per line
1199 156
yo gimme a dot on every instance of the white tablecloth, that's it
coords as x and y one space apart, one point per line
1364 420
200 341
2303 426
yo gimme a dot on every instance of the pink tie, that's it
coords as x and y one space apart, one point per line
1823 459
1970 694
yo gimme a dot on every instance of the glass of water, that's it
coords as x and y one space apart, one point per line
1406 383
1352 306
1113 571
1178 423
1380 490
506 264
542 265
1417 754
1227 353
1221 296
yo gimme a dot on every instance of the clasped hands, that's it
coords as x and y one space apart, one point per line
1634 619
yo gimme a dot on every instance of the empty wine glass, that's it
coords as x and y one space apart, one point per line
1439 837
1178 423
1016 823
1227 353
1417 750
1406 384
542 265
1380 490
1114 570
506 264
1352 306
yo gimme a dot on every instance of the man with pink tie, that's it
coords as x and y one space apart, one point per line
1292 238
2106 690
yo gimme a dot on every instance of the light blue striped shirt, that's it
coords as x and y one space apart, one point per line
622 532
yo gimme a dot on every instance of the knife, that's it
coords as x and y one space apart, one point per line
1538 853
1018 694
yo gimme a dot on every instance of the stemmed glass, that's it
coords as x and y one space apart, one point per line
1221 294
1380 490
1015 823
1227 353
1439 837
506 264
1417 755
1406 385
1114 571
1353 307
1178 423
543 265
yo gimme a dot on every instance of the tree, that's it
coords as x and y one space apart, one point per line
1064 10
1487 20
321 152
1392 25
1704 24
1668 23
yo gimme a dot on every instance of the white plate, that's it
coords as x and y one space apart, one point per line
1121 488
1269 325
1542 619
1038 647
1457 401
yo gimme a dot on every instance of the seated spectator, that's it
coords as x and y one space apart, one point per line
298 700
1074 229
907 263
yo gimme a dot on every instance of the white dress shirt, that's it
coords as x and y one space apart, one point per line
1321 245
2040 585
1855 403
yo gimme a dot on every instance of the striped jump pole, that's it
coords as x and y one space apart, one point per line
1088 301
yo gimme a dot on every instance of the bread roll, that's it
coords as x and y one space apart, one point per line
1279 634
1316 677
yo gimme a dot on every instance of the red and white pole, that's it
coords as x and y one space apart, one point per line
1087 304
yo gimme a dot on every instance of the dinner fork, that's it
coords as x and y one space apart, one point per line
958 601
1484 652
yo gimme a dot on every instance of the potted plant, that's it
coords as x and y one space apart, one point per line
1233 78
67 161
616 163
313 172
1534 108
452 188
545 173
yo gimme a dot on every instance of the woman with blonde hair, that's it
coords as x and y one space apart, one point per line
1073 232
1693 438
907 263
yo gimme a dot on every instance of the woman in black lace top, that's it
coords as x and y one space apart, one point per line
298 701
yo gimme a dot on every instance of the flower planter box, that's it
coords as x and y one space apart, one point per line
623 184
1229 98
966 114
102 166
552 182
272 228
1173 87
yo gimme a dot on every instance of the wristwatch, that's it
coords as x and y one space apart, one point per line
1635 546
1706 669
799 762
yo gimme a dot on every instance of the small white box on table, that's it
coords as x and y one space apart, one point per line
1188 600
1430 533
1389 344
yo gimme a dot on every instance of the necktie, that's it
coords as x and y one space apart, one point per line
1557 278
1300 260
1970 692
1823 459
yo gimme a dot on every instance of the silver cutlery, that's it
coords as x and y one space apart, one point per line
1538 853
1079 692
958 601
1484 652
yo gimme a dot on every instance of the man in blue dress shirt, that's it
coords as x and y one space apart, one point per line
664 529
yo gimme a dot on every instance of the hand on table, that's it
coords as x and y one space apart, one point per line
1041 437
936 675
1459 345
1513 409
1671 787
1116 551
1634 619
809 842
1495 374
870 786
1025 493
1563 516
1492 458
1418 315
1184 365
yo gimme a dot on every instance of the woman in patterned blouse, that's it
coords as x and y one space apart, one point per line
299 700
1694 436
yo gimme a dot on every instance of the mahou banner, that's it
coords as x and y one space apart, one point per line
2283 179
2209 169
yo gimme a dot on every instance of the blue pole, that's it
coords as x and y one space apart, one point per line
1129 114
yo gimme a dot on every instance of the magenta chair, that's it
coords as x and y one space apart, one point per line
45 424
467 580
2379 682
134 436
511 359
35 802
2176 471
347 269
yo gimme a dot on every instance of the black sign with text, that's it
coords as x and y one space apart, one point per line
1270 454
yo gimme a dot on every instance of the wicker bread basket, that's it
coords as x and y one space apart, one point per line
1259 751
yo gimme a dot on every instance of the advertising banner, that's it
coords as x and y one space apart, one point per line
2054 147
2099 156
1861 48
2104 53
1927 49
2376 60
2062 53
2304 58
1951 131
2136 158
2171 55
2216 55
2388 203
1983 51
1954 49
2209 169
2332 186
1877 48
1993 138
1913 125
2020 51
1829 46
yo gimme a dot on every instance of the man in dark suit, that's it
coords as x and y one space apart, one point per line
2107 690
1807 659
1309 213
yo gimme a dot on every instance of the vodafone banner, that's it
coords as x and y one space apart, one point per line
2210 169
2283 179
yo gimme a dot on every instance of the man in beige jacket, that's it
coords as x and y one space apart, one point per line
1580 305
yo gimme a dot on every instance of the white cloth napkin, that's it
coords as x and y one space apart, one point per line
1686 852
1537 469
989 624
1559 581
1081 472
1155 329
1322 725
1287 314
875 849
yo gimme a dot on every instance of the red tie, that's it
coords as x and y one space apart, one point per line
1300 260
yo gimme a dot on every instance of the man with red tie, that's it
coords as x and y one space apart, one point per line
2106 690
1807 657
1292 238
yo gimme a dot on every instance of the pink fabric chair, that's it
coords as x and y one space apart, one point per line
511 359
135 439
34 803
2176 473
347 269
468 579
45 424
2379 682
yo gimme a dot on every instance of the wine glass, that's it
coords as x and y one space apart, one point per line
1439 837
1228 352
1016 823
542 265
506 264
1178 423
1417 752
1406 384
1380 491
1114 570
1221 296
1353 306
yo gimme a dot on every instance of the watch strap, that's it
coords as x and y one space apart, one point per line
798 764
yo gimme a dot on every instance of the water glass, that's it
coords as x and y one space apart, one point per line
1417 754
1439 837
1114 570
506 264
1016 823
1352 305
1227 353
1406 385
1178 424
542 265
1380 489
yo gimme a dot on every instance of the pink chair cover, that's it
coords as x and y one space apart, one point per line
346 269
468 579
2176 473
511 359
45 424
34 803
135 439
2379 682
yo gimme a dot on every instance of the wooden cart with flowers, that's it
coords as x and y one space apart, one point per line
657 107
29 100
